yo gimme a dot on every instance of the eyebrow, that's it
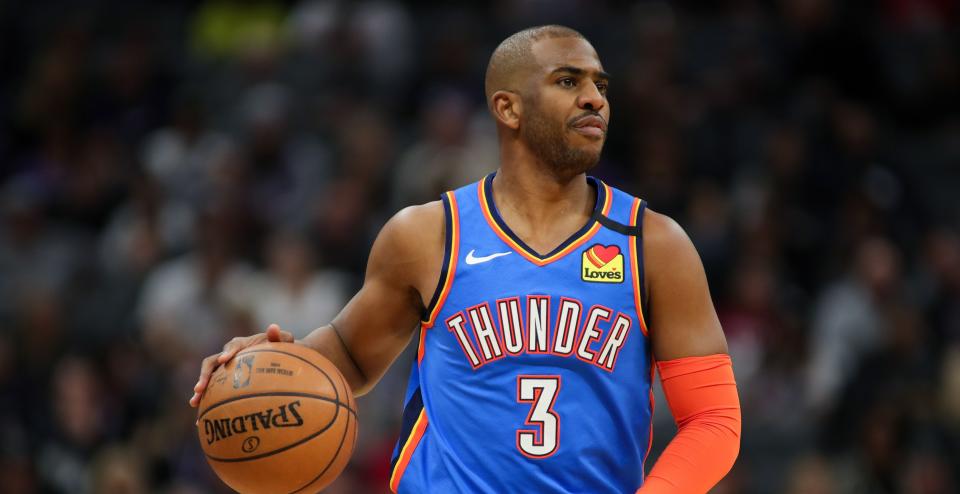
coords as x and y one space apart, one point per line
577 71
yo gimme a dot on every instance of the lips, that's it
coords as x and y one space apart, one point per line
591 125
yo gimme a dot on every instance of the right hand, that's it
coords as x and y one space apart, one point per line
273 333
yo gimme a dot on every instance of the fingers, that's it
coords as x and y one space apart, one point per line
274 333
232 347
206 368
212 362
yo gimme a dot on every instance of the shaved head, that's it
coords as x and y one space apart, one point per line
547 91
514 57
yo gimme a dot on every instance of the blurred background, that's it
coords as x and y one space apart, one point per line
175 174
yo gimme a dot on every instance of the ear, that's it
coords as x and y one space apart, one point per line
507 108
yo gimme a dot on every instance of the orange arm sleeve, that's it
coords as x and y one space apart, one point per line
702 395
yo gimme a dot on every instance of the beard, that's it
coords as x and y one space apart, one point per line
547 139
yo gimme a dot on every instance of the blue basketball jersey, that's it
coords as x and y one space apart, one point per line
533 372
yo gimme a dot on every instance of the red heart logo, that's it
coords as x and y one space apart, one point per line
600 255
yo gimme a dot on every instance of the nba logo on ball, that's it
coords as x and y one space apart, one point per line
243 371
602 264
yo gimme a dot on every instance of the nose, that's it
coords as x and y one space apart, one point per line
590 98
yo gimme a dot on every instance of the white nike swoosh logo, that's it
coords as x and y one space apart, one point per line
471 260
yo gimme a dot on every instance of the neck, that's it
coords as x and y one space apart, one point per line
541 209
517 157
535 190
539 195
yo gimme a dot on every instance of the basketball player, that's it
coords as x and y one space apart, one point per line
544 300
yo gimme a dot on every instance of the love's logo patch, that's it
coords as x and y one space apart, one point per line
602 264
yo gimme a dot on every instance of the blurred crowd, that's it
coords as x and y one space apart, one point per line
174 174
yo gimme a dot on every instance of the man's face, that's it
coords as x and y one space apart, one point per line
565 105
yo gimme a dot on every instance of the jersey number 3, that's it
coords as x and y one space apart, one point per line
541 393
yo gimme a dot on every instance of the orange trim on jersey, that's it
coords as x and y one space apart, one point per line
408 448
635 269
421 345
450 272
488 215
451 263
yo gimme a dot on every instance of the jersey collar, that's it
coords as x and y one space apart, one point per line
492 215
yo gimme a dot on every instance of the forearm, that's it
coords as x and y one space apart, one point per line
326 341
702 395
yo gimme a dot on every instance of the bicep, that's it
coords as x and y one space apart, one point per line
376 324
683 322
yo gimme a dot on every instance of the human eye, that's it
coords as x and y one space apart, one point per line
602 87
567 82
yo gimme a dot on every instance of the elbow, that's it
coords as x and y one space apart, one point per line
729 425
726 423
729 447
360 388
719 433
357 380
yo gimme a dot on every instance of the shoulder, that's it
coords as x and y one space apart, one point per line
408 251
662 233
431 212
412 224
410 245
667 248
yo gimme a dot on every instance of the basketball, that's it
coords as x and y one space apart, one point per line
277 418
